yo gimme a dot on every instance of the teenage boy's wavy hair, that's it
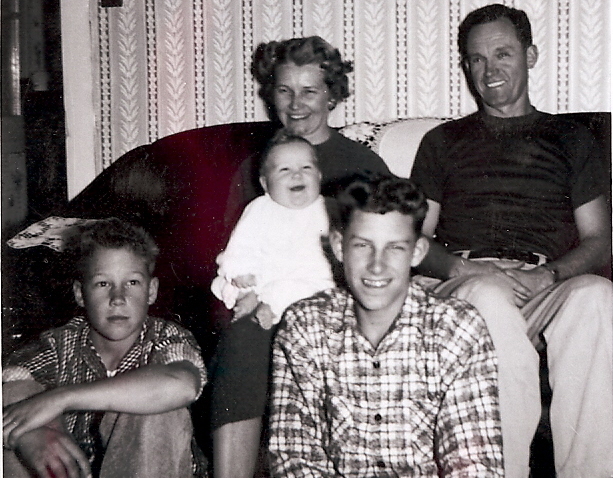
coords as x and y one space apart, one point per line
379 194
110 233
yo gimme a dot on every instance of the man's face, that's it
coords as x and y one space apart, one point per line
498 65
377 252
301 100
116 292
291 175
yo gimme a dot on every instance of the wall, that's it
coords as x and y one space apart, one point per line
163 66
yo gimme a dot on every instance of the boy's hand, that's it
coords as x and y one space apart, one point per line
245 304
30 414
244 281
52 453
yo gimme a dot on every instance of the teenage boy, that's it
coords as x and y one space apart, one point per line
383 377
108 392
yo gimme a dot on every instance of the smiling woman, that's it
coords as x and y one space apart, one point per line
301 81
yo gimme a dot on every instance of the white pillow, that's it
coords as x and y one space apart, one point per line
395 141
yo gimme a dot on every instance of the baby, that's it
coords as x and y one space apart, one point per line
274 256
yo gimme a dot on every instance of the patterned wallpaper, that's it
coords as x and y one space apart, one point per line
169 65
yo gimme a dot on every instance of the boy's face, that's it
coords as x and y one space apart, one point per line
377 252
291 175
116 293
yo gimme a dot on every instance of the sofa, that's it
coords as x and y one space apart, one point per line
179 188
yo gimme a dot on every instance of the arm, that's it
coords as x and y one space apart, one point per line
297 403
48 450
151 389
442 264
468 432
593 251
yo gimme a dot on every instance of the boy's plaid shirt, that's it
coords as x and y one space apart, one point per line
341 407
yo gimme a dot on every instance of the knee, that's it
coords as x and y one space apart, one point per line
592 286
586 309
489 288
593 295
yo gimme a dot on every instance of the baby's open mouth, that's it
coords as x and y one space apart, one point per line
297 188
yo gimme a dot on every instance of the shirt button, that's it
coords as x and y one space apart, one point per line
378 417
381 464
376 364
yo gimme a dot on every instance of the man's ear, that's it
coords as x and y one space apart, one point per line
532 55
264 183
154 285
420 251
77 290
336 242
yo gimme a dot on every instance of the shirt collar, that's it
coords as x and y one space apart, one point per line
348 319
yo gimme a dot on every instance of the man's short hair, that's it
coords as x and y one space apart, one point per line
379 194
283 136
110 233
491 13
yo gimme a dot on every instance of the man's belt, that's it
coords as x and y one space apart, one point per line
502 253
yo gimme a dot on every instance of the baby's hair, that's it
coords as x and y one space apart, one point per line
110 233
284 137
379 194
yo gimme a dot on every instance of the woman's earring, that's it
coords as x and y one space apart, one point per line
331 104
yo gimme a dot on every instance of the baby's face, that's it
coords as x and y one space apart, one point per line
291 176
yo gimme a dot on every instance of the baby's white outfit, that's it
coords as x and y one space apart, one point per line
282 248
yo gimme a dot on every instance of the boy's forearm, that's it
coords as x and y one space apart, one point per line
155 388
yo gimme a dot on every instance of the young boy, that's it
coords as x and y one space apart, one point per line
274 256
115 384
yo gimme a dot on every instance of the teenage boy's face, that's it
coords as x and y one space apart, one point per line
291 175
377 252
116 293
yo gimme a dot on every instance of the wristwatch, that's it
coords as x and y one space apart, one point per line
553 269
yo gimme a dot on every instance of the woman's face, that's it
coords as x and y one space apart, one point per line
301 101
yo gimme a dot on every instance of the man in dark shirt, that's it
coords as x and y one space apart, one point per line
519 219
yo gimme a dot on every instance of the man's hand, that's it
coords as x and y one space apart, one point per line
509 271
534 281
31 413
52 453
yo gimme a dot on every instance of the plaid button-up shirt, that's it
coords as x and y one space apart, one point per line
66 355
423 402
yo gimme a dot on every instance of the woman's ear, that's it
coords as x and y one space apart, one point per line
264 183
77 290
336 243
